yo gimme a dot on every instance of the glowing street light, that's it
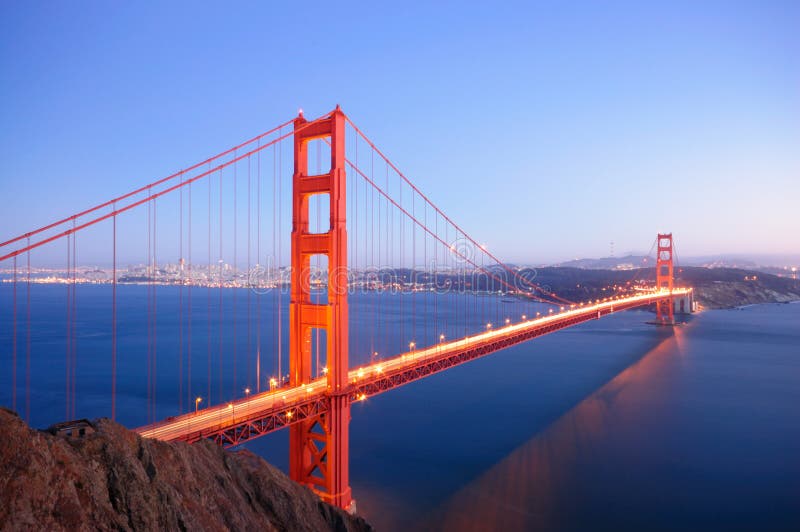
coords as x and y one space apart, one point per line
441 337
524 317
197 404
273 383
247 392
411 346
488 326
508 321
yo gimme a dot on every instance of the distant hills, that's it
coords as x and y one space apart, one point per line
780 265
714 287
629 262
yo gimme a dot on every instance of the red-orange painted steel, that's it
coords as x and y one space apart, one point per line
318 445
664 279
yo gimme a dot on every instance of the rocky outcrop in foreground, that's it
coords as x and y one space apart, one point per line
111 478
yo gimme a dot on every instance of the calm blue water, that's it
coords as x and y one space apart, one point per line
611 425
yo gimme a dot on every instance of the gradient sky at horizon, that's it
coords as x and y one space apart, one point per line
545 129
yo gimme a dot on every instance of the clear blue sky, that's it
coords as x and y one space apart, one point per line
545 129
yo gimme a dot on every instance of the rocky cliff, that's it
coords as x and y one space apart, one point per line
111 478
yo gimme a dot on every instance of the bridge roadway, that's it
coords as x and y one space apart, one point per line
253 416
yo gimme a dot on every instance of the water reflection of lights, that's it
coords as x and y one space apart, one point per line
531 488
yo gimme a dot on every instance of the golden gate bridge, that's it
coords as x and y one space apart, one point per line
214 233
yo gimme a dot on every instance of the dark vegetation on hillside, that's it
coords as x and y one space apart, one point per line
714 287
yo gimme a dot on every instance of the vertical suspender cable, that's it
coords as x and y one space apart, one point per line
114 319
14 340
402 221
233 284
413 271
209 282
437 328
372 265
249 316
367 227
275 307
180 298
28 341
235 259
219 281
74 342
190 266
388 260
426 323
149 271
155 309
67 362
258 266
355 217
279 263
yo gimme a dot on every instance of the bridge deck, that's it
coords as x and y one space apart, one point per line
233 423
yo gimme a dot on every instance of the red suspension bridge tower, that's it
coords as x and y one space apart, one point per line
318 447
665 311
